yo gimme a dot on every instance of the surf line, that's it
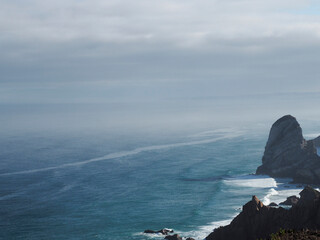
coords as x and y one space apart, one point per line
124 154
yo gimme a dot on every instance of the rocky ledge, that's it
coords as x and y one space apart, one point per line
257 221
163 231
288 154
166 231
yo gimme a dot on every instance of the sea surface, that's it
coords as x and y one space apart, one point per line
106 186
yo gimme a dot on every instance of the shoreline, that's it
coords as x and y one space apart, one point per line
283 188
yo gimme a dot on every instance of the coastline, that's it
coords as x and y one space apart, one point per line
275 190
287 155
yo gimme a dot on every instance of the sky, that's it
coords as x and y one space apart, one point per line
152 51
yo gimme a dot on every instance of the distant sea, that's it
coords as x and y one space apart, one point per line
100 186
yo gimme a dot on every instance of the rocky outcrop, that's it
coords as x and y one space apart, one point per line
290 201
316 142
273 204
288 154
173 237
163 231
258 221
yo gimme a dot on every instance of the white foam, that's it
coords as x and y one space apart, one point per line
203 231
283 194
277 190
67 188
126 153
252 181
216 132
199 234
152 235
272 192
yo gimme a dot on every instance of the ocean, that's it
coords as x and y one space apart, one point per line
115 186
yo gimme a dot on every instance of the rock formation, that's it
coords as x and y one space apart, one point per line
173 237
273 204
288 154
258 221
292 200
316 142
163 231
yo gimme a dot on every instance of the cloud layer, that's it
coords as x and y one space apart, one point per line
100 50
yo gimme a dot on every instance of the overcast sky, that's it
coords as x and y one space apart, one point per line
125 50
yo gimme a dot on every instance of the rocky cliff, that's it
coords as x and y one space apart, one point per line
257 221
288 154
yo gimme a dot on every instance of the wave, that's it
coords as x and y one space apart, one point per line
277 189
203 231
272 192
127 153
211 133
283 193
152 235
254 181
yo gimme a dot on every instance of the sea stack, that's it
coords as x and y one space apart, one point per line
288 154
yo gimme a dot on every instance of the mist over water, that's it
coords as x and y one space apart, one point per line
158 116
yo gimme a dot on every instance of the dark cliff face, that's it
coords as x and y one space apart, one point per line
258 221
288 154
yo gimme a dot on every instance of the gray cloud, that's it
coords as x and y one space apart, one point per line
183 24
83 51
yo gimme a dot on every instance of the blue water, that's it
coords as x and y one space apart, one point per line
102 186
